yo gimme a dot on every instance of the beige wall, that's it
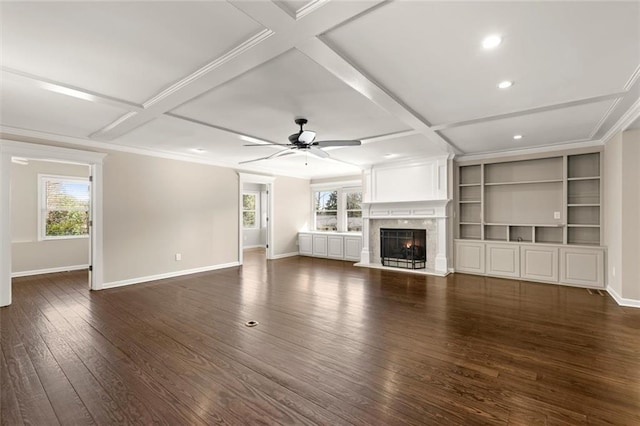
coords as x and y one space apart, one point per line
292 211
155 208
631 214
29 254
622 213
338 179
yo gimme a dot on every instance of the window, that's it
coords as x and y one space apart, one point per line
354 211
64 207
249 210
326 210
338 209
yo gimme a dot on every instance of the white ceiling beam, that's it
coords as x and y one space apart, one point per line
65 89
281 33
563 105
328 58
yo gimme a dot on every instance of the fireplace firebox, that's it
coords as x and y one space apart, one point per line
403 248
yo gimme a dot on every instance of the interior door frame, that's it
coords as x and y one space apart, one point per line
269 181
9 149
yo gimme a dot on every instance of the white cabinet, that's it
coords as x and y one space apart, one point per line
560 264
582 266
319 245
469 257
335 246
305 244
539 263
503 260
332 245
352 247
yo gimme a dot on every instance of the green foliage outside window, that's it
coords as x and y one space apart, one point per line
249 210
66 208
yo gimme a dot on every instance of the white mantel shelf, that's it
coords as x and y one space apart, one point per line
406 209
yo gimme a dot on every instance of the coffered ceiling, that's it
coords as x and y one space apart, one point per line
411 79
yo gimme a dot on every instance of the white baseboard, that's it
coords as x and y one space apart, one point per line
49 271
633 303
252 247
283 255
148 278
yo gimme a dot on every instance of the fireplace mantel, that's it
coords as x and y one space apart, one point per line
406 191
405 209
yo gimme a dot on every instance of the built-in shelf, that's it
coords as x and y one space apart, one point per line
584 178
524 182
550 200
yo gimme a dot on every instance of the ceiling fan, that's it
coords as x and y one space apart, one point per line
304 140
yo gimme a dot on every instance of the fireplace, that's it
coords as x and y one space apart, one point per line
403 248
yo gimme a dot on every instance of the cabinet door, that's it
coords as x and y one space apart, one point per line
469 257
352 248
305 244
582 266
335 246
320 245
539 263
503 260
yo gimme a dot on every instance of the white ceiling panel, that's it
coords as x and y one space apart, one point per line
28 107
265 101
545 128
304 166
127 50
406 147
429 54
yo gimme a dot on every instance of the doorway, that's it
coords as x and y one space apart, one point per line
50 208
12 149
255 222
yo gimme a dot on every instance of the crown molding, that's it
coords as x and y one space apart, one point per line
625 121
526 151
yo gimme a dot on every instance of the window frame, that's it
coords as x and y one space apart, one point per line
42 206
342 189
345 193
256 210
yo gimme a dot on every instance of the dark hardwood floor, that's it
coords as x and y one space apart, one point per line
335 345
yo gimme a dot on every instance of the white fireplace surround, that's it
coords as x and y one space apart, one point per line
385 197
435 210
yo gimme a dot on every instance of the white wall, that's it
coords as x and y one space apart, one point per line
28 254
256 237
292 211
155 208
622 214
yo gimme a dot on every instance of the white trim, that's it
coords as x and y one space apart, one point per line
525 151
283 255
166 275
624 122
254 246
269 181
343 184
632 303
236 51
9 149
49 270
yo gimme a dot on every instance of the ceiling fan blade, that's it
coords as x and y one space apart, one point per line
269 157
318 152
337 143
268 144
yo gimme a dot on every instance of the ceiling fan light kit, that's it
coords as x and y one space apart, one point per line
305 140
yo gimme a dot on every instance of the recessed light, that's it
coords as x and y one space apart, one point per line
389 155
492 41
505 84
198 150
517 137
